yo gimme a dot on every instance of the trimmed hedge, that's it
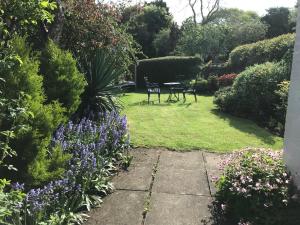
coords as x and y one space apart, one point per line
260 52
167 69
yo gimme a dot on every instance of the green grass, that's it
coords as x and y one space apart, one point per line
190 126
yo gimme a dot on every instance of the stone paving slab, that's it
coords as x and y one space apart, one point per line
144 157
181 160
181 181
120 208
180 194
170 209
136 178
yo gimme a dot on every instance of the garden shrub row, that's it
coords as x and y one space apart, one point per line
253 94
167 69
260 52
255 188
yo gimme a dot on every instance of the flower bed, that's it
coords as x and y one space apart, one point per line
255 188
227 79
94 148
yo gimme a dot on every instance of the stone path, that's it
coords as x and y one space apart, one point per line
161 188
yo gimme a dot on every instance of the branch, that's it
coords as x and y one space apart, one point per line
201 10
213 10
192 5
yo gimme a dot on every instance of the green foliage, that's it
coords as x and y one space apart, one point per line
23 17
166 69
253 92
10 203
99 95
90 25
278 21
227 29
281 106
255 187
165 41
62 80
213 83
146 23
245 26
19 68
12 111
225 99
201 86
204 86
207 41
262 51
211 69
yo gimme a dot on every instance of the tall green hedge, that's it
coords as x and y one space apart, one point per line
167 69
260 52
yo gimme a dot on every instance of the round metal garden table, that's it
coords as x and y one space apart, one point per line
174 90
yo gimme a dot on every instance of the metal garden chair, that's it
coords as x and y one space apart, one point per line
152 88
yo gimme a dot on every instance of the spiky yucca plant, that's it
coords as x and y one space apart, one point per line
101 74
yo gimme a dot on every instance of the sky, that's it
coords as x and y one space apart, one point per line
180 9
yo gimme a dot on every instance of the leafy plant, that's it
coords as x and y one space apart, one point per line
62 80
254 187
19 67
101 73
11 203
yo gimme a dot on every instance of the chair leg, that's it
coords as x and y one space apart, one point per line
159 97
183 96
195 97
148 98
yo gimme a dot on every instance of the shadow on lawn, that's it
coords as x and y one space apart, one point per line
246 126
163 103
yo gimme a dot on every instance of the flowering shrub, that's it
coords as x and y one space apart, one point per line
227 79
94 149
255 187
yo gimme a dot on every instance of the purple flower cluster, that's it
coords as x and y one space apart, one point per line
50 195
92 146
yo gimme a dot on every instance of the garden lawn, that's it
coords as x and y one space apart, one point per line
190 125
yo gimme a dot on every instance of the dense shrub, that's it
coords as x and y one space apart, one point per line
227 79
19 67
260 52
201 86
62 80
253 91
96 147
210 69
225 99
280 107
212 83
255 187
166 69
